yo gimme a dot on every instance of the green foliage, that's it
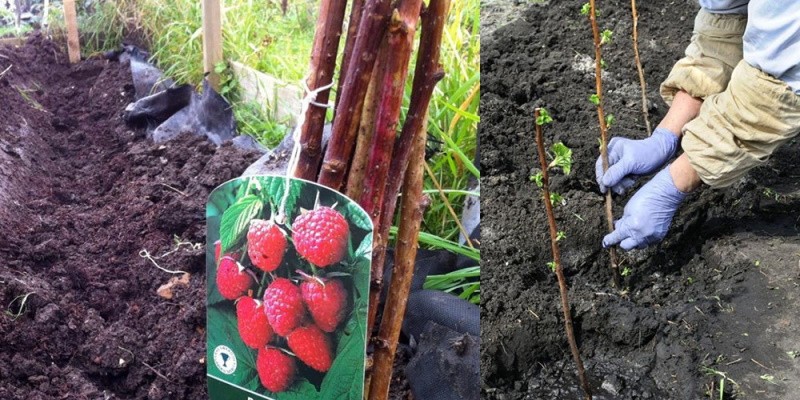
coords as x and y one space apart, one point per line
552 266
556 199
586 8
236 220
561 235
605 36
603 64
562 157
464 282
610 120
595 99
626 271
538 178
544 117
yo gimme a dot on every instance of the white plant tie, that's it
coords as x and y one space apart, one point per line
307 102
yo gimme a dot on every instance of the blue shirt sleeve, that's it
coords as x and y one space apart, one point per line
725 6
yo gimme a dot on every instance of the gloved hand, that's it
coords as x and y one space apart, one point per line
648 214
627 158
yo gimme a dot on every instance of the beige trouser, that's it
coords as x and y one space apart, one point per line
746 114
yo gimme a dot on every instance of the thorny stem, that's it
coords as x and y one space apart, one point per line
412 209
323 63
427 74
562 281
639 68
371 31
598 77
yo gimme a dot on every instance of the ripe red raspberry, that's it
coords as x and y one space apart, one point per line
266 243
320 236
312 346
254 328
326 300
218 252
232 279
283 305
276 369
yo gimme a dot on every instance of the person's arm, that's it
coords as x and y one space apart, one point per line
714 51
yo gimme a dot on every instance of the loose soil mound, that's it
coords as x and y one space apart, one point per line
716 298
80 196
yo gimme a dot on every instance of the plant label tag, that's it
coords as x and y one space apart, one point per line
288 275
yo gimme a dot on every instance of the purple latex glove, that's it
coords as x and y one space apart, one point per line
628 158
648 214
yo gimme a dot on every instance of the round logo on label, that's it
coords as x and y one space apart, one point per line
225 360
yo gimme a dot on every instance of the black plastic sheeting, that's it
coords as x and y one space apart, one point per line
168 110
434 325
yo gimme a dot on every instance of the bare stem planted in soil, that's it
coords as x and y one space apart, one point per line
598 68
562 281
412 209
639 68
323 63
371 31
427 74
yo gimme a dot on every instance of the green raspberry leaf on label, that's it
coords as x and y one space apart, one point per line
236 220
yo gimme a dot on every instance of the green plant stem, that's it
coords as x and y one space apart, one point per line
345 126
562 281
323 64
262 286
598 78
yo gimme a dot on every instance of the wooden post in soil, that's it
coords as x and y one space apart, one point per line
598 75
412 209
323 63
427 74
73 42
371 31
562 281
212 40
639 68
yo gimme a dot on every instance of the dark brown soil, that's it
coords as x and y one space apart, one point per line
718 294
80 196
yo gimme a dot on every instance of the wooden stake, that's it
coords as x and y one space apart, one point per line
598 79
73 43
413 207
639 68
212 41
562 281
323 62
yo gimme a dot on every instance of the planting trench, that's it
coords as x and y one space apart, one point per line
719 294
81 196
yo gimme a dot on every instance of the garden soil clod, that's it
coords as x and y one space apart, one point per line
80 196
717 296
